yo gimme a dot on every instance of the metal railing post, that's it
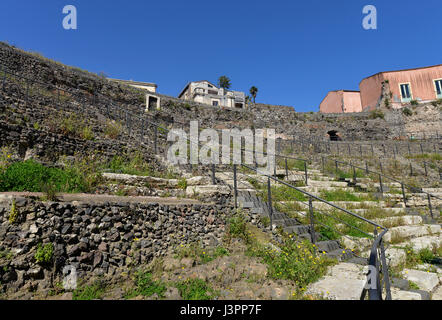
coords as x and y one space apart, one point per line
425 167
354 174
381 186
155 142
312 223
430 206
385 271
213 174
366 167
305 172
336 168
403 194
380 166
235 186
286 169
269 201
411 169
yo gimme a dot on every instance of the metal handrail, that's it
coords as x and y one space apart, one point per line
375 291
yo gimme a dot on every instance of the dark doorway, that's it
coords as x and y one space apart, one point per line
334 135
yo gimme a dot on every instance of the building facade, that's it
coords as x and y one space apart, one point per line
390 88
341 101
152 101
207 93
402 86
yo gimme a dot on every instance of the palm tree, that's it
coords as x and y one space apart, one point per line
224 82
254 92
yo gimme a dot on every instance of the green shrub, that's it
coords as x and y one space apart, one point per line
146 286
238 227
199 253
296 261
90 292
87 134
406 111
31 176
414 102
113 129
375 114
182 183
44 253
13 213
195 289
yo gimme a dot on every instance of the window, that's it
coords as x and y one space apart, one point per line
215 103
438 85
406 94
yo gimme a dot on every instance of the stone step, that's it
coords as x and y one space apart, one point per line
400 220
412 231
424 242
315 183
344 281
343 204
426 281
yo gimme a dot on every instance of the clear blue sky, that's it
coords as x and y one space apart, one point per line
293 51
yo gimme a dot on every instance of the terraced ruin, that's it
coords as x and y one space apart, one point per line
104 201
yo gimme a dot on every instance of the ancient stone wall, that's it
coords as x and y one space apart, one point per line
96 239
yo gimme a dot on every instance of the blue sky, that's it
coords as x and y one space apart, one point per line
293 51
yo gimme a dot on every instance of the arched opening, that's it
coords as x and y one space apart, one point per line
334 135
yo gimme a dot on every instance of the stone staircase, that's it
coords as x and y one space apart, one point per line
410 226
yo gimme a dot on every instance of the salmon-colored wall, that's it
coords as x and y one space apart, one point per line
422 83
332 103
421 80
352 101
371 89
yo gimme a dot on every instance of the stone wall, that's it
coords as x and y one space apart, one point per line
96 239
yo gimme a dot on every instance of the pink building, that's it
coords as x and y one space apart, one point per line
341 101
400 87
389 88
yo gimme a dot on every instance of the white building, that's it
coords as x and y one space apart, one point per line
152 101
207 93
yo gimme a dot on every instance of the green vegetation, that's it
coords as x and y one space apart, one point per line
224 82
182 184
414 102
195 289
296 261
6 254
71 126
377 114
415 258
253 93
407 112
31 176
44 253
413 286
200 254
341 195
13 213
146 286
430 156
90 292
